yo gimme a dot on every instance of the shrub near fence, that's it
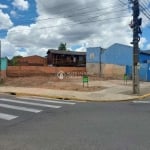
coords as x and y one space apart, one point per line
20 71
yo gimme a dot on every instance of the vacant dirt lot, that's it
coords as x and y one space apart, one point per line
52 83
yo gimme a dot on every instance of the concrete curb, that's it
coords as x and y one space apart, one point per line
144 96
76 99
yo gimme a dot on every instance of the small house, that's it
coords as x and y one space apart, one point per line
66 58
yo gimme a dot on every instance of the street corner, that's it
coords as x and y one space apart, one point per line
144 96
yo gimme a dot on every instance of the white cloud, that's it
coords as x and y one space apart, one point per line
81 49
21 4
8 49
142 42
148 47
3 6
45 34
13 13
5 21
102 33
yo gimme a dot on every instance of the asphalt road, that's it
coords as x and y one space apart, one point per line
82 126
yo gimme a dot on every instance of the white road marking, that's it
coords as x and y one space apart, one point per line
29 103
48 101
7 116
20 108
142 102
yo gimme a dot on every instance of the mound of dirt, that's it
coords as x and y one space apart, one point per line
74 84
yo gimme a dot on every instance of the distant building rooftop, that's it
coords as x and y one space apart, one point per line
65 52
145 52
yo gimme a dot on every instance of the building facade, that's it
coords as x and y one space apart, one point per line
32 61
107 62
66 58
3 67
116 61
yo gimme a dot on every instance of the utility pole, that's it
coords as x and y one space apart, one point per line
0 62
135 25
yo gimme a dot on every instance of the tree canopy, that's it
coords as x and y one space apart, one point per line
62 47
14 61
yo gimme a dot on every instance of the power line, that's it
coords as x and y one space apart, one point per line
146 10
123 3
145 1
145 7
103 15
61 11
84 22
73 14
83 8
146 14
88 20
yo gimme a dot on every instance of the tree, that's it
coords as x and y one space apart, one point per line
14 61
62 47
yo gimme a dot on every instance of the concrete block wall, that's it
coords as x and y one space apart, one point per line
105 70
32 61
18 71
93 69
113 71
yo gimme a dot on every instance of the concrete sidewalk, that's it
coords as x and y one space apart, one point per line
114 90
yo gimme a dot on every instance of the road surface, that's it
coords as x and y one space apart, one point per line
34 124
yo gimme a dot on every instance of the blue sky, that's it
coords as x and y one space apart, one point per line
146 34
31 27
19 16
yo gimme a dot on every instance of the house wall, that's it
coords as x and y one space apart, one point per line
144 72
93 69
115 61
93 55
33 60
144 58
113 71
128 71
110 62
3 74
62 59
105 70
18 71
3 63
3 67
118 54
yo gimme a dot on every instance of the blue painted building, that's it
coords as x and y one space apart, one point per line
144 56
118 55
93 55
144 72
3 67
112 55
93 60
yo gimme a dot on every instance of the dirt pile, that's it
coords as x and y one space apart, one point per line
52 83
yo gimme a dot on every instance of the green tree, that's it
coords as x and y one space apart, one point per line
62 47
14 61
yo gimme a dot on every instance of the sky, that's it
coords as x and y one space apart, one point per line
31 27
